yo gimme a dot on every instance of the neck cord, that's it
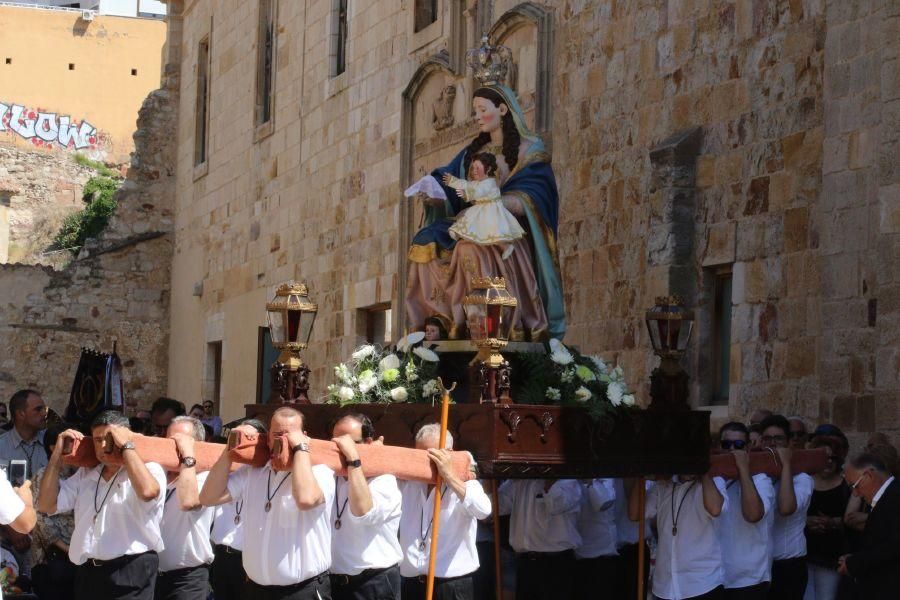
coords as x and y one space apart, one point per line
680 504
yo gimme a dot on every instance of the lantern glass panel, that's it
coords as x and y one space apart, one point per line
506 320
476 321
293 325
276 326
306 325
684 334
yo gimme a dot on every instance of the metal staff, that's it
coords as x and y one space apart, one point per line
436 514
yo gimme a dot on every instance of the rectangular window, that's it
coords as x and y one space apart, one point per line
426 13
721 356
374 324
213 384
265 63
201 119
339 32
266 355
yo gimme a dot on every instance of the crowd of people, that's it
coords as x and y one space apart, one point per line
135 531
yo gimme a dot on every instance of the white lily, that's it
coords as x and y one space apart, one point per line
363 352
411 340
389 362
426 354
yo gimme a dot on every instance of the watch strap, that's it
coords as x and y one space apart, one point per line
301 447
354 463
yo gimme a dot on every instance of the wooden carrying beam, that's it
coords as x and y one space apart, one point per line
252 449
768 462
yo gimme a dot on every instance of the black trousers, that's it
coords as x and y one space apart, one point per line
628 571
485 577
191 583
314 588
130 577
371 584
789 578
714 594
759 591
596 577
55 578
451 588
227 575
543 575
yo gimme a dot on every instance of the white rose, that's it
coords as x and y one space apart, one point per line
367 383
345 393
628 399
389 362
363 351
399 394
426 354
552 393
614 392
582 394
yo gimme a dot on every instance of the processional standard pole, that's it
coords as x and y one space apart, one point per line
436 513
642 499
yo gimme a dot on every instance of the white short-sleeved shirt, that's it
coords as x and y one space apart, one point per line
124 525
228 525
368 541
541 521
627 530
185 533
689 562
746 547
456 551
597 519
285 545
11 506
788 537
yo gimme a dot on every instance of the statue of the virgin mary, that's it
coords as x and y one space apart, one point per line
442 268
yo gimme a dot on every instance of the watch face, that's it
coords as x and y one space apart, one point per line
189 461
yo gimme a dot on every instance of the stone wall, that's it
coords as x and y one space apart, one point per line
41 188
690 138
117 290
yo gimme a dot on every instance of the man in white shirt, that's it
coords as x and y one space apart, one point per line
596 559
793 495
543 531
689 555
365 550
462 505
627 538
746 528
285 515
184 562
227 576
117 508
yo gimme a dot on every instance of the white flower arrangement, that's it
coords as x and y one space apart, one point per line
376 375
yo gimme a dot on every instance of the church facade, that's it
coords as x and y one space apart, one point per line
740 154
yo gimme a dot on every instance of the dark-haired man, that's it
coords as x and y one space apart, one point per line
365 550
24 440
876 565
746 527
793 494
117 514
287 532
161 414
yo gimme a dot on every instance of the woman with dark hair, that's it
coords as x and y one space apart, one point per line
825 537
442 268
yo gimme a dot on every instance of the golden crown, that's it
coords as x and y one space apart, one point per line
489 62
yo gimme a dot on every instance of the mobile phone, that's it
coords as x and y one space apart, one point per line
18 472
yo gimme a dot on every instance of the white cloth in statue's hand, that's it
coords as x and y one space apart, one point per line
429 186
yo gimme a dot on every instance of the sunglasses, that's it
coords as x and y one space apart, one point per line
736 444
769 439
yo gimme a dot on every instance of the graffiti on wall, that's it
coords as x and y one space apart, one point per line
49 130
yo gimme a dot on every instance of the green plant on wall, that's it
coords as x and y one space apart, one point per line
99 196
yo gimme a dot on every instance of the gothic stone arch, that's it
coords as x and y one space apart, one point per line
527 29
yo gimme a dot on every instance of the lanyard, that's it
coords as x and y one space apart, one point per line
430 523
680 504
270 494
108 490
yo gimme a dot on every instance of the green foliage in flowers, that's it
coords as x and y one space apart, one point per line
375 375
566 377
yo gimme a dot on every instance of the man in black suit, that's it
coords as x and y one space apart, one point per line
876 566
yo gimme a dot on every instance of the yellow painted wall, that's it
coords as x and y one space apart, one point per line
36 49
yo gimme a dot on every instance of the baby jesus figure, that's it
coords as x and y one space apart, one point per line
487 221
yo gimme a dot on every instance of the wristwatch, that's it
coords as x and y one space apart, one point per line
189 461
129 445
354 463
301 447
